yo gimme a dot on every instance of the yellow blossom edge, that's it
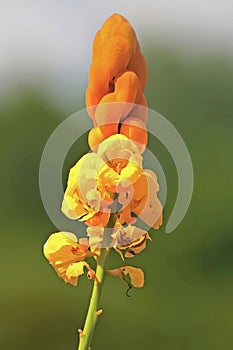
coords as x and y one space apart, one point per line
64 252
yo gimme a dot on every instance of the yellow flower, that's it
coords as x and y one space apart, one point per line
123 164
94 178
142 200
82 199
67 255
119 146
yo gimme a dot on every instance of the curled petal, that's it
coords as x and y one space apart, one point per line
148 208
110 180
100 219
81 199
136 275
119 147
137 246
62 249
130 239
122 164
130 173
124 236
77 269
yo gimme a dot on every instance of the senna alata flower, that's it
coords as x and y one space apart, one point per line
117 78
95 177
66 254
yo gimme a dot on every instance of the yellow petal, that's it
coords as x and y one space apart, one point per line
81 200
62 248
131 173
71 208
107 179
73 174
149 208
76 269
110 180
58 240
119 146
136 276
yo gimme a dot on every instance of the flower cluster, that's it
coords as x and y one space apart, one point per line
117 78
108 189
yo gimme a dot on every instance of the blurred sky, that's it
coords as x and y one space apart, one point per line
49 41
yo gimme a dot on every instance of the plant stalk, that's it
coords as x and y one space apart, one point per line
93 311
92 314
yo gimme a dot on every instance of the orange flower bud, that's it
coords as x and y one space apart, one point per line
118 72
136 131
138 65
100 133
128 87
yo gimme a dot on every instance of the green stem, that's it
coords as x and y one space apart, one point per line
92 315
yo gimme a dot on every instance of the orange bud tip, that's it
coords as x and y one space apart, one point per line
99 312
80 331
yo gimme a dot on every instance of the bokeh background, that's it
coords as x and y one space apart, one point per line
45 53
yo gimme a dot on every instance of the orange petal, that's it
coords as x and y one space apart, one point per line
128 88
138 65
139 109
117 53
108 111
125 29
99 77
97 45
149 208
110 23
136 131
136 276
100 133
100 219
91 100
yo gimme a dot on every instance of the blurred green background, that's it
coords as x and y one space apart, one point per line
186 302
